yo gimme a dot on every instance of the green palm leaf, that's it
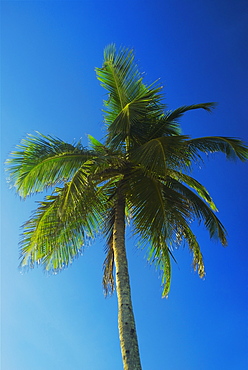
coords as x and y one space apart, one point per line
233 148
54 235
160 255
177 113
108 265
130 100
168 123
151 205
178 152
160 154
200 210
49 241
198 263
133 120
43 161
194 184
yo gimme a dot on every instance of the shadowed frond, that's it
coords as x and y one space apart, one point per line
179 112
162 127
198 263
160 255
168 123
108 265
178 152
152 205
108 269
200 210
194 184
160 154
233 148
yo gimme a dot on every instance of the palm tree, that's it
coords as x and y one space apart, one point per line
139 175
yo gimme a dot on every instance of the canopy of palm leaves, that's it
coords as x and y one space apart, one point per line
143 154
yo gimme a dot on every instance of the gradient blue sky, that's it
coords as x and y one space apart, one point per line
199 51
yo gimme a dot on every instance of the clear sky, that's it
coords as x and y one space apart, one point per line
198 49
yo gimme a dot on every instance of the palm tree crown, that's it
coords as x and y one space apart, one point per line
144 154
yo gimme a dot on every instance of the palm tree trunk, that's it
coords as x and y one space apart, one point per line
126 324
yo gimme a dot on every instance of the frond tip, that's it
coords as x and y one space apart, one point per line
160 255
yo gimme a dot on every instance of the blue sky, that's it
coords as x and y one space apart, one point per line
198 49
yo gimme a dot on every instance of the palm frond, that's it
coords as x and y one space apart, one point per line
200 210
198 263
129 99
159 254
120 76
168 123
233 148
134 118
152 205
48 241
108 270
108 265
53 239
43 161
179 152
177 113
162 126
164 211
81 198
160 154
194 184
95 144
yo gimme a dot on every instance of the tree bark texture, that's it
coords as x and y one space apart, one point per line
126 324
